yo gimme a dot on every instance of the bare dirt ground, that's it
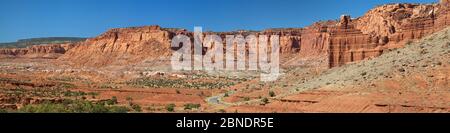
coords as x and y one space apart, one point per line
151 90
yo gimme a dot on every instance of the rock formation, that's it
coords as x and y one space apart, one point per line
122 46
343 41
385 27
37 51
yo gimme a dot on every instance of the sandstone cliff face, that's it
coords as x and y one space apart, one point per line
307 41
341 42
37 51
122 46
385 27
127 46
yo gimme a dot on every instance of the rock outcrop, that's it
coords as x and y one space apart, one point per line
385 27
122 46
343 41
37 51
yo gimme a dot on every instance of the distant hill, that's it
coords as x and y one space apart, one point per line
22 43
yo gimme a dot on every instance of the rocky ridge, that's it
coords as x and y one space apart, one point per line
338 42
37 51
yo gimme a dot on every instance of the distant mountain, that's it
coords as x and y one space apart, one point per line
22 43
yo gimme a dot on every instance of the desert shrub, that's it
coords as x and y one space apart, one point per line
109 86
179 83
92 93
271 93
130 100
136 108
67 85
65 78
87 107
170 107
265 100
112 101
67 101
44 108
246 98
76 106
150 108
74 93
190 106
118 109
409 42
3 111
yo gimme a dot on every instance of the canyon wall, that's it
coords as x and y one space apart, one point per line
37 51
122 46
385 27
339 42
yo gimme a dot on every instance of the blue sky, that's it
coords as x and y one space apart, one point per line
21 19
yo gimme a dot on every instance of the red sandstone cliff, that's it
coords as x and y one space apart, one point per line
385 27
122 46
343 41
37 51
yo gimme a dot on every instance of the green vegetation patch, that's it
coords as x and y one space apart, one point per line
72 106
179 83
191 106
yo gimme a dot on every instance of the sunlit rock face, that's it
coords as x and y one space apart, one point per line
341 41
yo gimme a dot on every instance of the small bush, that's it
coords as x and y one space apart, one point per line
112 101
44 108
190 106
67 85
77 106
150 109
246 98
265 100
3 111
130 101
74 93
271 93
118 109
92 93
170 107
136 108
